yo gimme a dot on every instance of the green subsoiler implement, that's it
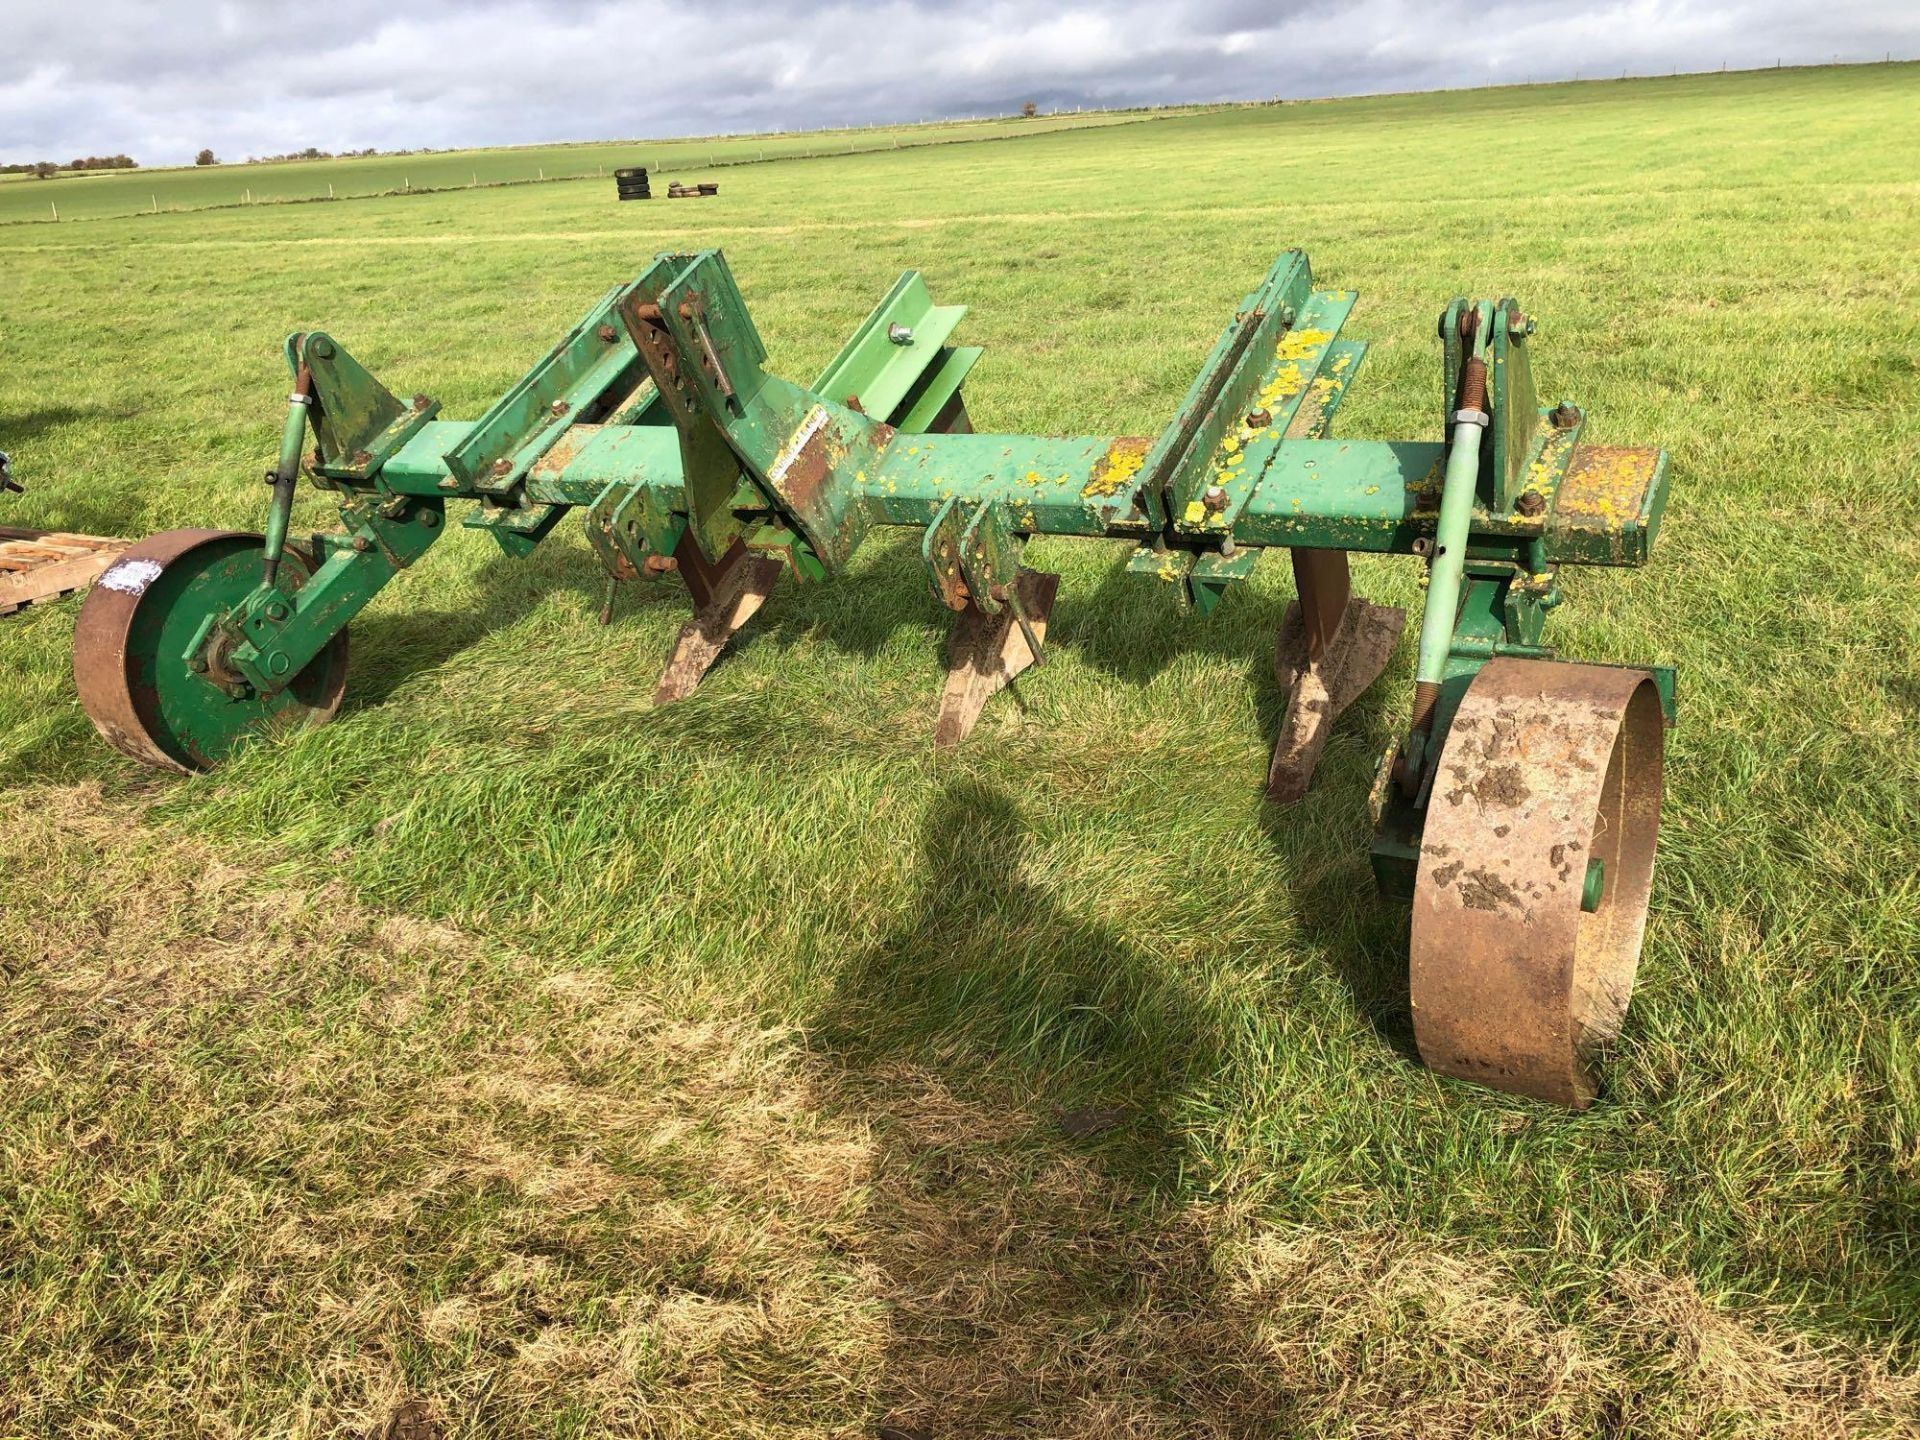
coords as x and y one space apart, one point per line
1517 810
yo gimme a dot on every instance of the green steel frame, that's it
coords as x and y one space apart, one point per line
656 416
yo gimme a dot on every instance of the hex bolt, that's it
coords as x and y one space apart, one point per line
900 334
447 482
1215 499
362 459
276 611
560 407
361 544
321 348
1565 415
502 466
1227 548
198 664
429 518
1519 326
421 402
1531 502
1259 419
607 334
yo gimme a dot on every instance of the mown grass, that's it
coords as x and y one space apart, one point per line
266 1170
96 194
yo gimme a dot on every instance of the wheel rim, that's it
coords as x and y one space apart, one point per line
1546 768
129 652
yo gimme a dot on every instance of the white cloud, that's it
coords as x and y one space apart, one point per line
246 77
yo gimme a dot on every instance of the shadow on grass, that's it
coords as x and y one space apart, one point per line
985 949
1128 627
1343 918
985 965
1132 626
18 429
857 615
1014 1062
401 641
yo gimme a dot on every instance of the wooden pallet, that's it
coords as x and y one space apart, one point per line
50 564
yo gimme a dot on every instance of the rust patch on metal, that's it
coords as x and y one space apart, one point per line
563 452
1331 649
985 652
806 477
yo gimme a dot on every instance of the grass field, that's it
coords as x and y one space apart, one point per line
93 194
514 1057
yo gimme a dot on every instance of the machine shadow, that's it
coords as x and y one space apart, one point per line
856 617
17 429
402 640
858 614
1321 843
1078 996
1013 1061
1132 627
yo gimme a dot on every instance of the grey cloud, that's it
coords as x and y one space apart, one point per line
162 79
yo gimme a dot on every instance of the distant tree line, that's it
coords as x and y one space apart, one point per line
46 169
315 153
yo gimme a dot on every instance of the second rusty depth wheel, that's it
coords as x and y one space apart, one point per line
130 661
1536 864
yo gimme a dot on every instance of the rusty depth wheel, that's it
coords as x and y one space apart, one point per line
1536 864
130 661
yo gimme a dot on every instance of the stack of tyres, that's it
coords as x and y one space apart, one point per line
632 183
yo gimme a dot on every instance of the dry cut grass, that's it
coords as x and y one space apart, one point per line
275 1163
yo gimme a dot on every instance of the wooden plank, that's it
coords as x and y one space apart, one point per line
37 565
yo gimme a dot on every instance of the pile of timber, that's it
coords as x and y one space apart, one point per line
40 565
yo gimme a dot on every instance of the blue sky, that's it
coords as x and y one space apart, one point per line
161 78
